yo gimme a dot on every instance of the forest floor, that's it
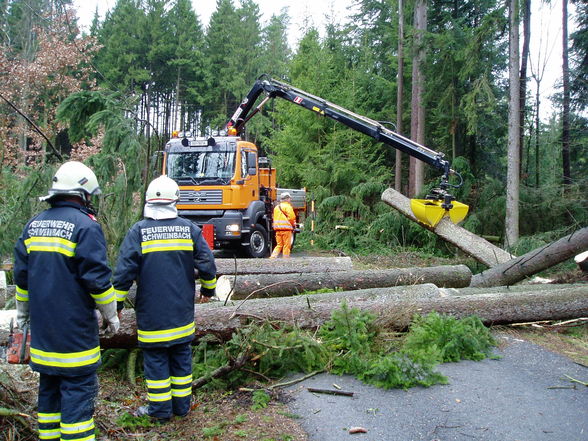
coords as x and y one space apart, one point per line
234 415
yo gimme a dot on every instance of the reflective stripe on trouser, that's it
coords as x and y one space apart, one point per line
66 407
168 372
283 243
166 335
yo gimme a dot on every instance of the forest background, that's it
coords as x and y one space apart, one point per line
111 98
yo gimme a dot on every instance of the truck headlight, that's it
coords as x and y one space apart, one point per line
233 229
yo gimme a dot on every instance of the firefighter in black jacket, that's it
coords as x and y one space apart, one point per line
160 252
62 276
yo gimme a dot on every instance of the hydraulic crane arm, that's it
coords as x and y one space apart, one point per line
273 88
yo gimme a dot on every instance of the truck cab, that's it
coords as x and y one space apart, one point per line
226 189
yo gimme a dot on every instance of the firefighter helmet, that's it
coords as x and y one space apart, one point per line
75 179
162 190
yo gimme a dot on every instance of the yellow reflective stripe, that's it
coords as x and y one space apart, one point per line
282 224
72 359
49 433
120 295
22 294
182 380
165 396
209 284
167 245
46 418
51 244
181 392
104 297
158 384
166 334
84 426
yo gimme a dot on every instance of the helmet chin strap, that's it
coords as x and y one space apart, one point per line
88 204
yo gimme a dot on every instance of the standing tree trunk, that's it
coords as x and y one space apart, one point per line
537 73
523 75
537 127
565 118
512 178
399 94
417 126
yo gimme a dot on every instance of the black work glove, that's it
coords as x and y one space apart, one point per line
206 292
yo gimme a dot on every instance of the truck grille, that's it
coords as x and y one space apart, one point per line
201 197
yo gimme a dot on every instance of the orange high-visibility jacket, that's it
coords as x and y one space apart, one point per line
284 217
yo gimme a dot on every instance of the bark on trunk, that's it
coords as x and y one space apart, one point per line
480 249
281 285
565 116
417 127
393 307
283 266
534 261
399 94
513 166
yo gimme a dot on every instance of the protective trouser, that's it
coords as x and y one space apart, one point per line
283 243
168 373
66 407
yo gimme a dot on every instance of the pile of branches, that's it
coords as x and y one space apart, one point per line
18 399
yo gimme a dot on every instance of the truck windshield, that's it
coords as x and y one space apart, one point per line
197 167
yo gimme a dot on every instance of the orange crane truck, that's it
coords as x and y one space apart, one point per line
228 190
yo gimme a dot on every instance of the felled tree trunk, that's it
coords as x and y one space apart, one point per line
533 262
475 246
280 285
283 266
394 308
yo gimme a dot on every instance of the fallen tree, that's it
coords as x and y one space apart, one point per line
394 308
283 266
515 270
471 244
281 285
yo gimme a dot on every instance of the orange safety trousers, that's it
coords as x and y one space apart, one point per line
283 243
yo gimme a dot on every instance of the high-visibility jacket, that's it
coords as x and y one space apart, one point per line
61 270
161 256
284 217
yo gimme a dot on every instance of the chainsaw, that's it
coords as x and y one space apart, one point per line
19 345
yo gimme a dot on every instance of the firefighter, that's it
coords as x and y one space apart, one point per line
62 276
284 223
160 253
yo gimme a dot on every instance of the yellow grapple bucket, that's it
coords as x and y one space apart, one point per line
430 212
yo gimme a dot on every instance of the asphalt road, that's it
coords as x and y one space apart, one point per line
523 396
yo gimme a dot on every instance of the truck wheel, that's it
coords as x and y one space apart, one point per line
258 245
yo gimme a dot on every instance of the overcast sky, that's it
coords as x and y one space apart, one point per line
300 11
545 44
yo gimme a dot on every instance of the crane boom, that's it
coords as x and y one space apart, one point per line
277 89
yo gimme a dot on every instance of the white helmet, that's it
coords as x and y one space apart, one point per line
162 190
73 178
285 196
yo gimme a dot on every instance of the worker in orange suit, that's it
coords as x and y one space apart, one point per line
284 224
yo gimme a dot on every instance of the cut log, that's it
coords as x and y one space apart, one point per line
582 261
281 285
393 307
515 270
283 266
475 246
